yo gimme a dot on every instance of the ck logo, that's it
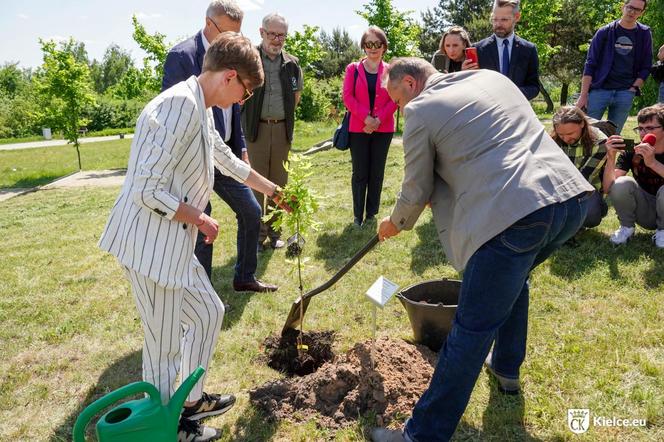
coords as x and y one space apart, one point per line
578 420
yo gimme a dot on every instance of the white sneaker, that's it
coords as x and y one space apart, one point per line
624 233
658 238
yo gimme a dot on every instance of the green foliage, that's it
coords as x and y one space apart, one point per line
112 113
306 47
112 69
653 17
302 199
314 103
156 48
402 31
472 15
66 84
135 83
340 50
13 80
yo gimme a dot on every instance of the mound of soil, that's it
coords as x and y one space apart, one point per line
282 353
341 391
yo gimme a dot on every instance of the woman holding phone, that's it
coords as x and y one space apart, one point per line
371 124
451 53
584 146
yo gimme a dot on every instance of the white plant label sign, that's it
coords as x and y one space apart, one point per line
381 291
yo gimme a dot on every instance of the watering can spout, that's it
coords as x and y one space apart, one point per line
177 400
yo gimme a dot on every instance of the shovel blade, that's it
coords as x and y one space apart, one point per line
293 319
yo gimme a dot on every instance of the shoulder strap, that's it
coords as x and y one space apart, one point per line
355 74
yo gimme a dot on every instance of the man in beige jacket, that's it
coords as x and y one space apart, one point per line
503 196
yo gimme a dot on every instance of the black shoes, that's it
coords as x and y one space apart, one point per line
209 405
193 431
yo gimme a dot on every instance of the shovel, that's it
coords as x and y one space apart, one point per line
294 316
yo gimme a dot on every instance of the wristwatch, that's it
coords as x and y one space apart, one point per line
277 191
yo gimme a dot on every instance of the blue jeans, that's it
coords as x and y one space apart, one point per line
618 103
492 309
661 92
242 201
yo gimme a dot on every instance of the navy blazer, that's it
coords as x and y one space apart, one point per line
524 63
185 60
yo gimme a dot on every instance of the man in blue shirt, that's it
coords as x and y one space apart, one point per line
617 65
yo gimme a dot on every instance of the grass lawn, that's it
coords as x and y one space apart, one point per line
69 331
25 168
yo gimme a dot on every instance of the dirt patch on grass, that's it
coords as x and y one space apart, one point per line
341 391
282 354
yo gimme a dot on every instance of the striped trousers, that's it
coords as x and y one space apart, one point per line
181 328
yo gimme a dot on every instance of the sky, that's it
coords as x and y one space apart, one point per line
99 23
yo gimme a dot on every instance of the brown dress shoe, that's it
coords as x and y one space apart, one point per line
254 286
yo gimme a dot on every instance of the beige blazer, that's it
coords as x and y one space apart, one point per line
172 159
475 149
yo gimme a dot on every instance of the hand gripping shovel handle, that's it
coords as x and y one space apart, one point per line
293 318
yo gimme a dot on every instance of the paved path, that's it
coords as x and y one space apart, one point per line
53 143
91 178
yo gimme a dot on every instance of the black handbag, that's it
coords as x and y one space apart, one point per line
341 137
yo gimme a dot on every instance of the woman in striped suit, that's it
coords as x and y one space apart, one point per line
153 225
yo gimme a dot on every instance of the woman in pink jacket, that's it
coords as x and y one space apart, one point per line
371 124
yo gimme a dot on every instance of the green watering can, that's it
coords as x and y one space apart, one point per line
141 420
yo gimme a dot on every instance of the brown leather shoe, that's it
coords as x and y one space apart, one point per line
254 286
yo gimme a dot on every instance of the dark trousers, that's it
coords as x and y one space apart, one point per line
248 213
369 154
597 210
492 309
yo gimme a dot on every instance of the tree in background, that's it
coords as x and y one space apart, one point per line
403 33
314 104
157 49
569 36
340 50
20 112
65 82
111 69
470 14
654 17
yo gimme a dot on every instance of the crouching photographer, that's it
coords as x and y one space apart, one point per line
638 199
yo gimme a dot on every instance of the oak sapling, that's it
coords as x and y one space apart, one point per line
300 220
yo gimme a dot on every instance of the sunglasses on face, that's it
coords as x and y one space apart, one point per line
373 44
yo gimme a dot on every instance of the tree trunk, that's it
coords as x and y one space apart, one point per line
78 153
564 92
547 98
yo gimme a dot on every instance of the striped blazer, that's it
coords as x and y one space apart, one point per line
172 159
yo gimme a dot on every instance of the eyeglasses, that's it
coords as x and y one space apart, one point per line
275 36
247 93
215 25
640 129
373 44
631 8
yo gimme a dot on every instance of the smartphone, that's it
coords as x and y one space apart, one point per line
629 144
471 54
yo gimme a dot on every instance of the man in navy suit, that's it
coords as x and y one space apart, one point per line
507 53
183 61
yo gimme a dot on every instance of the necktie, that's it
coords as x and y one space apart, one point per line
505 68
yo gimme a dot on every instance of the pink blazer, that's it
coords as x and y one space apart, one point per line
358 104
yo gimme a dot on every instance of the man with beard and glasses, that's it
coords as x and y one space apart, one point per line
507 53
